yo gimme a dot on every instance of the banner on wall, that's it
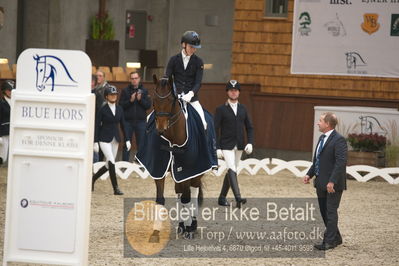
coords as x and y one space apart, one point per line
346 37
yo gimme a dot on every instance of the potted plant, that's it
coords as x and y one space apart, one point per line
102 49
367 149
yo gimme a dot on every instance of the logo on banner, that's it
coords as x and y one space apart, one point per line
353 61
370 24
395 25
335 27
304 21
52 72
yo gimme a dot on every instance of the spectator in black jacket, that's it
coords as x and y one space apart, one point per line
230 120
5 104
135 102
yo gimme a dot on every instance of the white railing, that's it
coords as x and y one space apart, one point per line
269 166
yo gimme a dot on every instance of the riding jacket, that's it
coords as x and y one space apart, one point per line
107 124
230 127
188 79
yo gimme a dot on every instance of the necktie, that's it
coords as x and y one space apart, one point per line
320 148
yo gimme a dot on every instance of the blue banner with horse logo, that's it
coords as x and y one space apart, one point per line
196 157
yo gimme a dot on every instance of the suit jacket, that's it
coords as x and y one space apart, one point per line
188 79
4 118
230 128
333 158
107 124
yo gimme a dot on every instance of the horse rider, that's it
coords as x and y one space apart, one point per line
187 70
109 117
5 103
230 120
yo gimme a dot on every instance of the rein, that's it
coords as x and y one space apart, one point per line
172 117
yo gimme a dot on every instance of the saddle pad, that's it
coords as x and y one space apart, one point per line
195 157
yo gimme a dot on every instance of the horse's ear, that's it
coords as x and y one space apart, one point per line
154 77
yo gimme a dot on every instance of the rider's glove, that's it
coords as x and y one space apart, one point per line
96 149
187 97
128 145
219 154
248 148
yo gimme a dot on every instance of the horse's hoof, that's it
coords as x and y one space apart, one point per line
194 225
189 235
154 238
181 229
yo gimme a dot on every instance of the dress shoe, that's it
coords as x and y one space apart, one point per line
338 242
325 246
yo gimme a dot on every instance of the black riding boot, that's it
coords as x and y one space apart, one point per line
97 175
235 188
112 175
223 192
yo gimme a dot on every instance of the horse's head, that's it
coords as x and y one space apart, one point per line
164 101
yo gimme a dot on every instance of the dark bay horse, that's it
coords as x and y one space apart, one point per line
170 122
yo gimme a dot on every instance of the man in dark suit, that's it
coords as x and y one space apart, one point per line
329 167
230 120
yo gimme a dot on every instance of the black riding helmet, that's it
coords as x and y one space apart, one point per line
192 38
233 84
8 85
110 90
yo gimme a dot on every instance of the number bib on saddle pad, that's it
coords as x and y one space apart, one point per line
195 157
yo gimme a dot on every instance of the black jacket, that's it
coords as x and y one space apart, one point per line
230 128
188 79
4 118
333 159
135 110
107 124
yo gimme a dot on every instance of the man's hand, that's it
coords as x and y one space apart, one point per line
219 153
306 179
330 187
248 149
187 97
139 95
96 149
133 97
128 145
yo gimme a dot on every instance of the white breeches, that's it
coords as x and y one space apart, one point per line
232 158
4 148
197 106
110 149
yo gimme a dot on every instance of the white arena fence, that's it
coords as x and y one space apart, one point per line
270 166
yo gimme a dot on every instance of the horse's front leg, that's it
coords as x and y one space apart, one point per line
160 202
187 210
195 187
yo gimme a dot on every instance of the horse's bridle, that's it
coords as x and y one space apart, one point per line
170 115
